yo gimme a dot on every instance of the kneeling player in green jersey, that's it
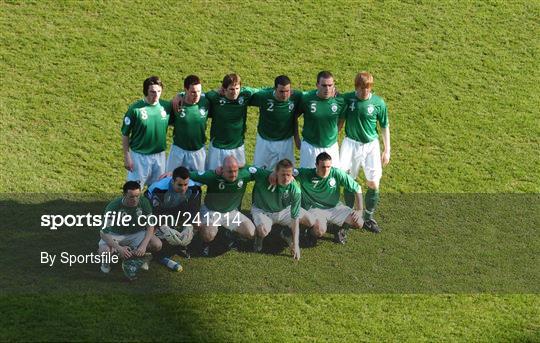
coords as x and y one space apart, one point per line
144 132
320 196
123 232
189 124
360 148
278 203
223 198
321 109
275 129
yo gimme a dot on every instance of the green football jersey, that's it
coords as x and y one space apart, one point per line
222 195
320 192
190 125
143 209
320 118
361 117
276 118
228 118
146 126
275 198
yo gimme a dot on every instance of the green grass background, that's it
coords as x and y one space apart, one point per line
461 80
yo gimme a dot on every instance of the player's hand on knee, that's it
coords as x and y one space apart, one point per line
125 252
356 217
140 251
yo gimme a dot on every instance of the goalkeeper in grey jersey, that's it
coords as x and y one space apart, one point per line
176 201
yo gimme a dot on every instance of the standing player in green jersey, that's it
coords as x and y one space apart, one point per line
360 148
278 203
124 234
224 195
189 129
320 196
144 132
321 109
229 116
275 129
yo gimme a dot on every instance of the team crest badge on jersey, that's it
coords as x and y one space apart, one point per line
240 183
163 113
285 194
295 172
127 121
291 106
241 100
334 108
332 182
370 109
252 170
222 101
138 212
144 115
202 111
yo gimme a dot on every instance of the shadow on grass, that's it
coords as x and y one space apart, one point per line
431 243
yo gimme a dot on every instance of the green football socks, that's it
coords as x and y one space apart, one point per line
372 199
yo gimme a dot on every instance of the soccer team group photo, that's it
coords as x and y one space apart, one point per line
205 178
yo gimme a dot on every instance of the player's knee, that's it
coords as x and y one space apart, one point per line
247 229
355 220
373 184
263 230
319 229
208 233
307 220
104 248
155 244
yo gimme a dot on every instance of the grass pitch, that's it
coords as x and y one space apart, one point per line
457 258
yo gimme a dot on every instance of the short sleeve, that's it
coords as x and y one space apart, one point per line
128 121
